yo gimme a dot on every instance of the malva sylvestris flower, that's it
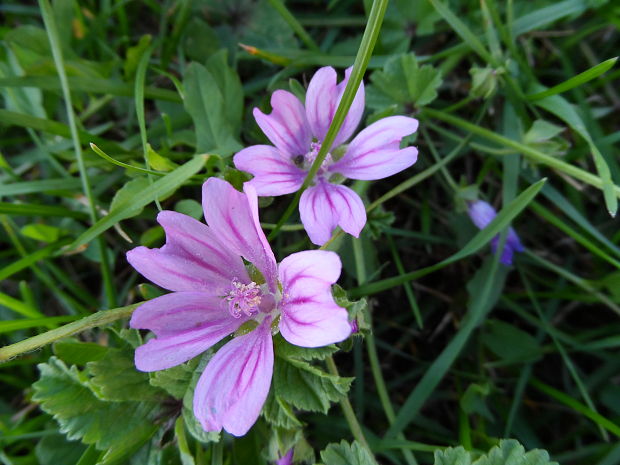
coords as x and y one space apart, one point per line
297 132
481 214
214 294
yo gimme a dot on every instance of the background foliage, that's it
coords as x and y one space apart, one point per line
455 351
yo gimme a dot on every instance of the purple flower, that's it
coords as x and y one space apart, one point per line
297 133
214 294
482 213
286 459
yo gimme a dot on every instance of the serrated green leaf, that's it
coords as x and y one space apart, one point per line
176 380
279 413
288 351
306 387
510 452
115 378
406 82
116 427
347 454
452 456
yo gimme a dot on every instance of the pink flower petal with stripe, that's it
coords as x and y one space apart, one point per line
324 206
185 324
375 152
233 217
234 386
286 127
322 100
310 317
274 172
192 259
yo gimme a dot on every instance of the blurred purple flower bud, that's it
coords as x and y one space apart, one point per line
481 214
286 459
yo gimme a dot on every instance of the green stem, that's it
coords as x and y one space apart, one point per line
52 34
364 53
347 409
36 342
528 152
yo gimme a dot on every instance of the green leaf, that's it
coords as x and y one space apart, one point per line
41 232
508 452
484 81
277 412
176 380
452 456
189 207
115 377
157 162
288 351
133 56
74 352
509 342
347 454
214 99
575 81
560 107
405 82
474 401
54 449
306 387
160 187
116 427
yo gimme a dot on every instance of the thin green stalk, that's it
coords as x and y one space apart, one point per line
280 7
375 367
364 53
577 406
527 151
52 34
347 409
36 342
582 283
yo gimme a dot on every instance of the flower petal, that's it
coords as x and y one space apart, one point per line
375 152
325 206
356 110
234 386
274 172
322 100
310 317
286 126
185 323
191 260
233 218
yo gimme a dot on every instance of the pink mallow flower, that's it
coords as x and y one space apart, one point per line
297 133
481 214
214 294
286 459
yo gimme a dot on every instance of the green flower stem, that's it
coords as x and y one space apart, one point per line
347 409
52 34
36 342
280 7
373 358
530 153
375 19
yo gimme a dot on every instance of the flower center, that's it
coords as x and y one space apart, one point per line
306 161
243 298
